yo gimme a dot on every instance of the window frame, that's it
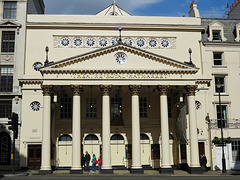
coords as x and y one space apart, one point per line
7 42
91 112
224 85
10 12
216 26
6 78
7 104
216 59
224 115
237 147
143 107
65 107
216 35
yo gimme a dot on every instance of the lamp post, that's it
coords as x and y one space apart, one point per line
219 85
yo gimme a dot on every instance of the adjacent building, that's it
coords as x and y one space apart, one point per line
13 16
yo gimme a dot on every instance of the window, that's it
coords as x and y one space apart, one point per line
222 114
217 58
65 137
221 80
10 9
6 78
216 35
143 107
169 107
66 107
236 149
91 107
8 41
116 111
5 108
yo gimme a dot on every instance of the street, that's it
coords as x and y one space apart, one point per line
109 177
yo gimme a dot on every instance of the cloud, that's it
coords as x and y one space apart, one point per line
93 6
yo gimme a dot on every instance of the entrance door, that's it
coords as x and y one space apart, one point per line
201 149
145 149
117 150
34 156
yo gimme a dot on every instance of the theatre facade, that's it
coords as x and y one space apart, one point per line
123 87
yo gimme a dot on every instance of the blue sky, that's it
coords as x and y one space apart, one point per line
207 8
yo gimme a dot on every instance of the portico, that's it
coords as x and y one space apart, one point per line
126 84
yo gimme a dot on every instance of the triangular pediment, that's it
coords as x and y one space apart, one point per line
113 10
216 24
107 59
9 24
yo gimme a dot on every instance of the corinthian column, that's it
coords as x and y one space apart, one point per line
46 131
136 148
194 153
106 146
76 130
166 167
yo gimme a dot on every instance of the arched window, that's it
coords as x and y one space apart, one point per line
144 137
117 137
65 137
91 137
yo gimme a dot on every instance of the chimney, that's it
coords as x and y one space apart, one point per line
193 12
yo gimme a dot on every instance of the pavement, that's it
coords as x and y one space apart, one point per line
118 173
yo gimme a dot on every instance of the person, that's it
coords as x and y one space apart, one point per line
204 162
99 164
94 162
83 162
87 160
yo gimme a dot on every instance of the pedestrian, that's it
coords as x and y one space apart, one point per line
94 162
87 160
83 162
204 162
99 164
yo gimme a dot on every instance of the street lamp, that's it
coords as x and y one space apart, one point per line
219 85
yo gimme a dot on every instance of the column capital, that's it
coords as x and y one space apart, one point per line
135 89
163 89
106 89
46 89
191 90
77 90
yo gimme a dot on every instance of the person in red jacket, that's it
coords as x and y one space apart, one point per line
99 164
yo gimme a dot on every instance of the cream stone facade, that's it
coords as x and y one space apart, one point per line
137 91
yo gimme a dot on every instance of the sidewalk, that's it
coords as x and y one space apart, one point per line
119 173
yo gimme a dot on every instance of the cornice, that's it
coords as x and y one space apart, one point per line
220 43
114 26
165 71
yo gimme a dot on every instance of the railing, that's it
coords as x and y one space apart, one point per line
229 123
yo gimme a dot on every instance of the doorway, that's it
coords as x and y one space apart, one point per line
34 156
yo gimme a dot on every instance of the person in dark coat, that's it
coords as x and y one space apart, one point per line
204 162
83 162
87 160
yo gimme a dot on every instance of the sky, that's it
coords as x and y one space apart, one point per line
207 8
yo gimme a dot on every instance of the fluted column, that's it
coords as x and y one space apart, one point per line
106 143
46 131
136 147
76 130
194 152
165 163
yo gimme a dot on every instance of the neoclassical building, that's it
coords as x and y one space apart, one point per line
128 88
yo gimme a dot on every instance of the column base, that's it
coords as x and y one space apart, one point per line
195 170
137 171
45 171
76 171
166 171
106 171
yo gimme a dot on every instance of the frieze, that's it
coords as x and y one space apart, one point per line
65 41
119 75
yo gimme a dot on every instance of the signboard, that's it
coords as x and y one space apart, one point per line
5 148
